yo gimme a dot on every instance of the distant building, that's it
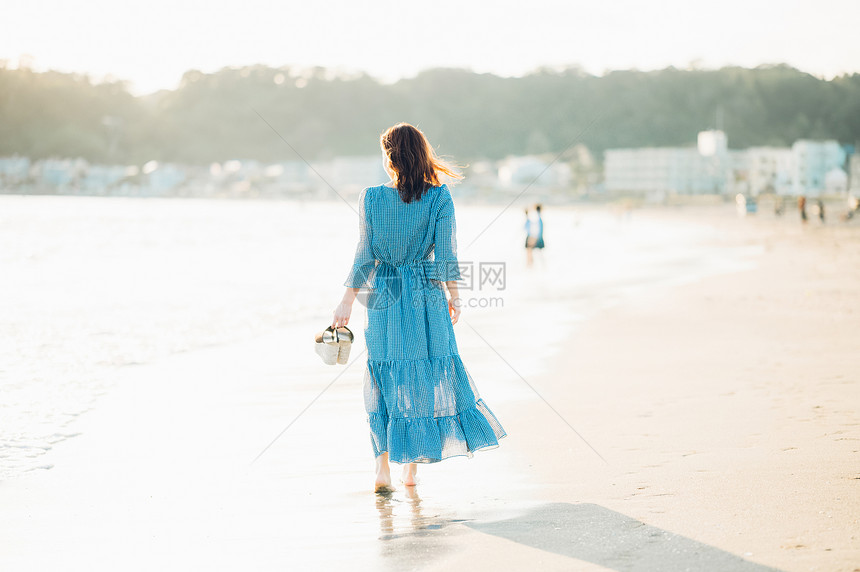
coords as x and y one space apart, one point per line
293 176
348 175
165 179
854 175
14 170
344 175
836 182
679 170
482 173
807 168
100 179
813 160
712 143
516 172
769 170
59 174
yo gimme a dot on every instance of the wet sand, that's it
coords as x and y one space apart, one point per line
726 409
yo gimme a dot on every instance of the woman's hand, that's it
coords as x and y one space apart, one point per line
341 315
454 301
343 310
454 309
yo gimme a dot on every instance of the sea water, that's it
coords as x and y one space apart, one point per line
90 285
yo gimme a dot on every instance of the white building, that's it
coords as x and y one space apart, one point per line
854 172
680 170
482 173
347 175
101 178
712 143
836 182
769 170
59 173
14 170
807 168
813 160
351 174
516 172
165 179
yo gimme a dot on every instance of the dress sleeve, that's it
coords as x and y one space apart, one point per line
361 274
445 266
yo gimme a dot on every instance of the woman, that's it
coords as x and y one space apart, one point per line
531 237
534 234
422 404
539 243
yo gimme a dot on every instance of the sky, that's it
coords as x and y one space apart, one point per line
151 44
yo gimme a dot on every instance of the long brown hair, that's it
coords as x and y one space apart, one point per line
414 162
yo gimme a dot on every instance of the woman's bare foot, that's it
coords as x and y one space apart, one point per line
409 475
383 475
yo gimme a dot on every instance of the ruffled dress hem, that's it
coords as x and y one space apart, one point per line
432 439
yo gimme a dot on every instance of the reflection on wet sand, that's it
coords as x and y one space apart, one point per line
386 513
404 516
408 526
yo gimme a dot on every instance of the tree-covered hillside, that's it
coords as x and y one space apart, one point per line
224 115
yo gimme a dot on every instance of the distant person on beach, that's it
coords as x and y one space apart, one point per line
801 206
778 206
539 243
534 234
530 241
820 204
853 208
421 402
626 210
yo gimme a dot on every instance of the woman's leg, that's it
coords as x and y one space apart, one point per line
409 472
383 473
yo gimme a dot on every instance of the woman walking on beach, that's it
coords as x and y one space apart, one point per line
422 404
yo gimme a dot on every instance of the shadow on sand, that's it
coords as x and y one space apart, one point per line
610 539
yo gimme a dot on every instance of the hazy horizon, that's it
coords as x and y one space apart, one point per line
151 45
303 71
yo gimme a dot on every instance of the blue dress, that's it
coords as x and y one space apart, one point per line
422 404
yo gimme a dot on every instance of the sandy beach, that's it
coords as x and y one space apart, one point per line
727 410
705 423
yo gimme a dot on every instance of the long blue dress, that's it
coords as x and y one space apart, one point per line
422 404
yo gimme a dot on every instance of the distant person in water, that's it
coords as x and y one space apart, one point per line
529 241
534 233
539 243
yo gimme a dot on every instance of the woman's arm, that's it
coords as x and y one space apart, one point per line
363 265
454 302
344 309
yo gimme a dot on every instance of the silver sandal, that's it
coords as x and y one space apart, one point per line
344 342
333 345
327 346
